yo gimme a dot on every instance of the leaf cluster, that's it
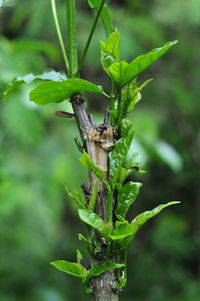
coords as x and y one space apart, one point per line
124 94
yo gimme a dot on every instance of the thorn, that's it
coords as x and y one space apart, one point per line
64 114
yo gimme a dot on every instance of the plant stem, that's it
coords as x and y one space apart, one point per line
119 107
91 35
55 17
71 26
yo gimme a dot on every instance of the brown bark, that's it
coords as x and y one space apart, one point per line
98 141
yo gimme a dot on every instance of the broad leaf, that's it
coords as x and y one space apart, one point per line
110 51
123 72
126 197
92 219
71 268
144 61
118 72
77 198
54 91
145 216
105 15
100 268
118 154
87 162
29 78
122 230
140 220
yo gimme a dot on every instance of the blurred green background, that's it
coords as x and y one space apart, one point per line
38 223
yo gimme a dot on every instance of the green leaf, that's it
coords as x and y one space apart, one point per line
71 268
55 91
92 219
1 2
117 156
79 256
87 162
110 51
49 74
144 61
140 220
134 95
71 27
93 198
126 197
77 198
118 72
100 268
105 15
123 72
126 127
83 238
122 230
145 216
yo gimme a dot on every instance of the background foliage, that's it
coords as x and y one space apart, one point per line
38 154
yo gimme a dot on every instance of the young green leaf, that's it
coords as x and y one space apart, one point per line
117 72
145 216
123 72
71 268
133 95
55 91
126 197
122 230
49 74
71 26
137 223
93 198
79 256
110 51
83 238
100 268
92 219
87 162
117 156
105 15
77 198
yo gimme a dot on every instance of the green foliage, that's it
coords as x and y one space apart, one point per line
123 99
29 78
77 198
87 162
110 51
79 271
145 216
56 91
92 219
101 268
123 73
71 268
126 196
118 154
